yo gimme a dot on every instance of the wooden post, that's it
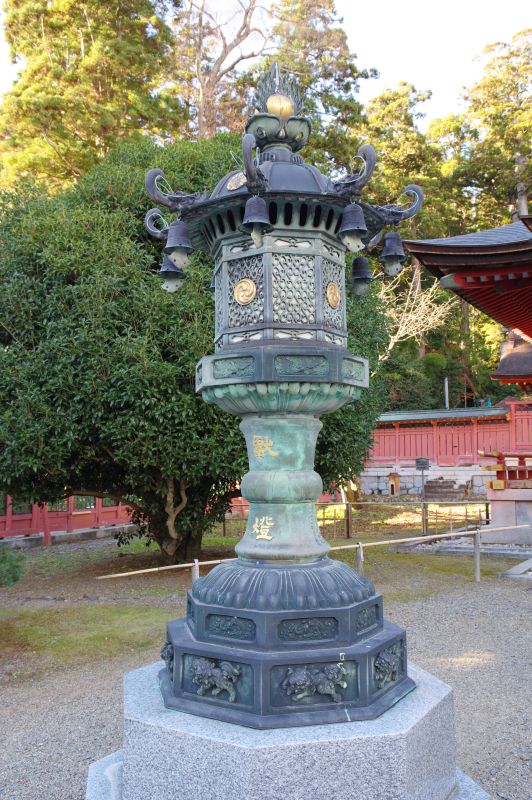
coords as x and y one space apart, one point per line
70 512
424 518
435 445
396 426
348 520
195 571
9 514
98 505
224 529
474 448
47 539
511 419
360 559
488 520
476 556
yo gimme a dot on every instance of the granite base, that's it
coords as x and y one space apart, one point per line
408 753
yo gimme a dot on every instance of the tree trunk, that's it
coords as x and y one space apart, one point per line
189 548
416 281
520 208
178 551
166 534
464 348
179 530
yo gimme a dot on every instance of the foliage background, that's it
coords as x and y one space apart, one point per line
96 364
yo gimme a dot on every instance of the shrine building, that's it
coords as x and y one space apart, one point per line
491 270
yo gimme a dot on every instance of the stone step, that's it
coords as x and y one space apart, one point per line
444 489
452 494
522 571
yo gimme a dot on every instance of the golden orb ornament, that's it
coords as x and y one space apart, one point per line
333 295
245 292
280 105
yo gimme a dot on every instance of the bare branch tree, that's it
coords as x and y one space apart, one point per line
412 313
209 49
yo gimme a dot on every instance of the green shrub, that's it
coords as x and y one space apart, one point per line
10 566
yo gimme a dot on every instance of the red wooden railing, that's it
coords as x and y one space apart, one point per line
72 515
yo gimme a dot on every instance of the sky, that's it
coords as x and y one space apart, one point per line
434 45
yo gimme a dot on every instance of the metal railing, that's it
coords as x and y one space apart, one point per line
360 547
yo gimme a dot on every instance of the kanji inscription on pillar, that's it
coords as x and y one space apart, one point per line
263 446
262 526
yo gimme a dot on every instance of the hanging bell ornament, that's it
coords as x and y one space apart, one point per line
353 228
178 244
172 275
360 277
256 221
392 256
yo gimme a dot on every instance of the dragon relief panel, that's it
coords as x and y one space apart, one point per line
249 268
389 665
333 251
314 684
333 274
300 630
367 618
294 289
231 627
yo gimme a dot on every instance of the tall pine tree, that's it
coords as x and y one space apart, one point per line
306 39
89 77
310 42
500 107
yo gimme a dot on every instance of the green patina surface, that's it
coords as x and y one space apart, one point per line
281 427
288 398
282 488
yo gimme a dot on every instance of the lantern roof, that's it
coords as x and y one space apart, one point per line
273 168
282 171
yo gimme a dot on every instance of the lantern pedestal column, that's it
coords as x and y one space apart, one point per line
283 636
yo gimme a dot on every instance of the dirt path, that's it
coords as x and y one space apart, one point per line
475 638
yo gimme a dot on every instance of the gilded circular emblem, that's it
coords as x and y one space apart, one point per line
236 181
245 292
333 295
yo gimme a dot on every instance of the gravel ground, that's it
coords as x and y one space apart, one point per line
476 639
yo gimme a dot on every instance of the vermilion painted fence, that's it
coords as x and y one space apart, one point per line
452 443
73 514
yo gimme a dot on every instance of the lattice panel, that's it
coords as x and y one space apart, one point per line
293 289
